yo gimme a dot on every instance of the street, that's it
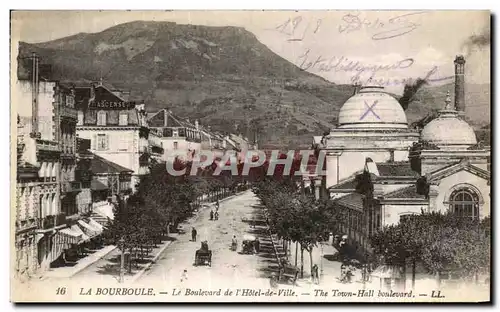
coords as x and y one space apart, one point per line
229 268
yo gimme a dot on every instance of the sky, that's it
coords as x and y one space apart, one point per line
368 47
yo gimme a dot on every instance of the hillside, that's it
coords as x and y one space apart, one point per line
222 75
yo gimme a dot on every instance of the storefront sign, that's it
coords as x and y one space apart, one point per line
111 105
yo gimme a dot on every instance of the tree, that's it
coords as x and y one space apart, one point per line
441 242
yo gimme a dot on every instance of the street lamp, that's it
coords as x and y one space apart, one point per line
321 262
122 261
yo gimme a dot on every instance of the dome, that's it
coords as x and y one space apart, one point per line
447 130
372 107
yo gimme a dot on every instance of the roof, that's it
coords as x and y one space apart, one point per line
453 168
349 184
102 94
158 120
409 192
372 107
101 165
97 185
396 169
353 201
448 129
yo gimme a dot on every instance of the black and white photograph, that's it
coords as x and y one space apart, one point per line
324 156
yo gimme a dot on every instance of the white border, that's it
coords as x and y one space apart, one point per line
197 5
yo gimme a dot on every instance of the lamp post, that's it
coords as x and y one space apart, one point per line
321 263
122 261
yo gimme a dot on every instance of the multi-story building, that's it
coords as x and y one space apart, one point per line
117 128
66 136
441 169
175 134
38 214
83 175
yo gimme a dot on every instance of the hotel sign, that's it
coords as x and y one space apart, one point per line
107 105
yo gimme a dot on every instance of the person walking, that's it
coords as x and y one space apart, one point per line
194 233
211 215
234 243
315 275
184 276
216 215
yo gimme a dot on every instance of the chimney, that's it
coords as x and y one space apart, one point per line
196 124
34 94
92 90
460 84
165 117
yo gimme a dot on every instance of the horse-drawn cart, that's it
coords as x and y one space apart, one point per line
248 244
203 256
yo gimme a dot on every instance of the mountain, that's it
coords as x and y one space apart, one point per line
223 76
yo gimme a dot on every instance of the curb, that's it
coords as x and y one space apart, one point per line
90 263
153 261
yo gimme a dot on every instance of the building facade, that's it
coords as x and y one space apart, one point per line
445 170
116 128
178 137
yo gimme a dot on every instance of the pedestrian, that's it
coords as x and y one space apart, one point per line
211 215
216 215
315 275
234 243
257 245
194 233
184 276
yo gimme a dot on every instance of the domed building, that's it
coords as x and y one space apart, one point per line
371 124
401 171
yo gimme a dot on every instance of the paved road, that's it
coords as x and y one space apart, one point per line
229 269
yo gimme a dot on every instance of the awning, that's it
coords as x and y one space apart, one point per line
72 234
96 225
88 229
76 229
105 211
96 185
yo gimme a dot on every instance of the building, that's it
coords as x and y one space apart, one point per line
83 175
116 128
445 170
38 211
177 136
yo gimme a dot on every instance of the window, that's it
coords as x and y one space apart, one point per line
176 145
80 118
124 144
102 142
101 118
465 203
123 119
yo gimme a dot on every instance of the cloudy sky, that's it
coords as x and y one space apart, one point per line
342 46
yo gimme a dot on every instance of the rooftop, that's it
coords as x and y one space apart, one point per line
101 165
396 169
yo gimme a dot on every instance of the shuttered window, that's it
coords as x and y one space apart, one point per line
102 142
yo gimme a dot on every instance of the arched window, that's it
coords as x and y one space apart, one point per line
465 203
48 170
101 118
41 172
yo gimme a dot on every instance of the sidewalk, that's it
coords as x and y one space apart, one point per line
67 272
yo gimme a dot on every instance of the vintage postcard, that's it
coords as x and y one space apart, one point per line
250 156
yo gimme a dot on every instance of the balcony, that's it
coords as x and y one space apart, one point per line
69 112
53 221
49 146
73 186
